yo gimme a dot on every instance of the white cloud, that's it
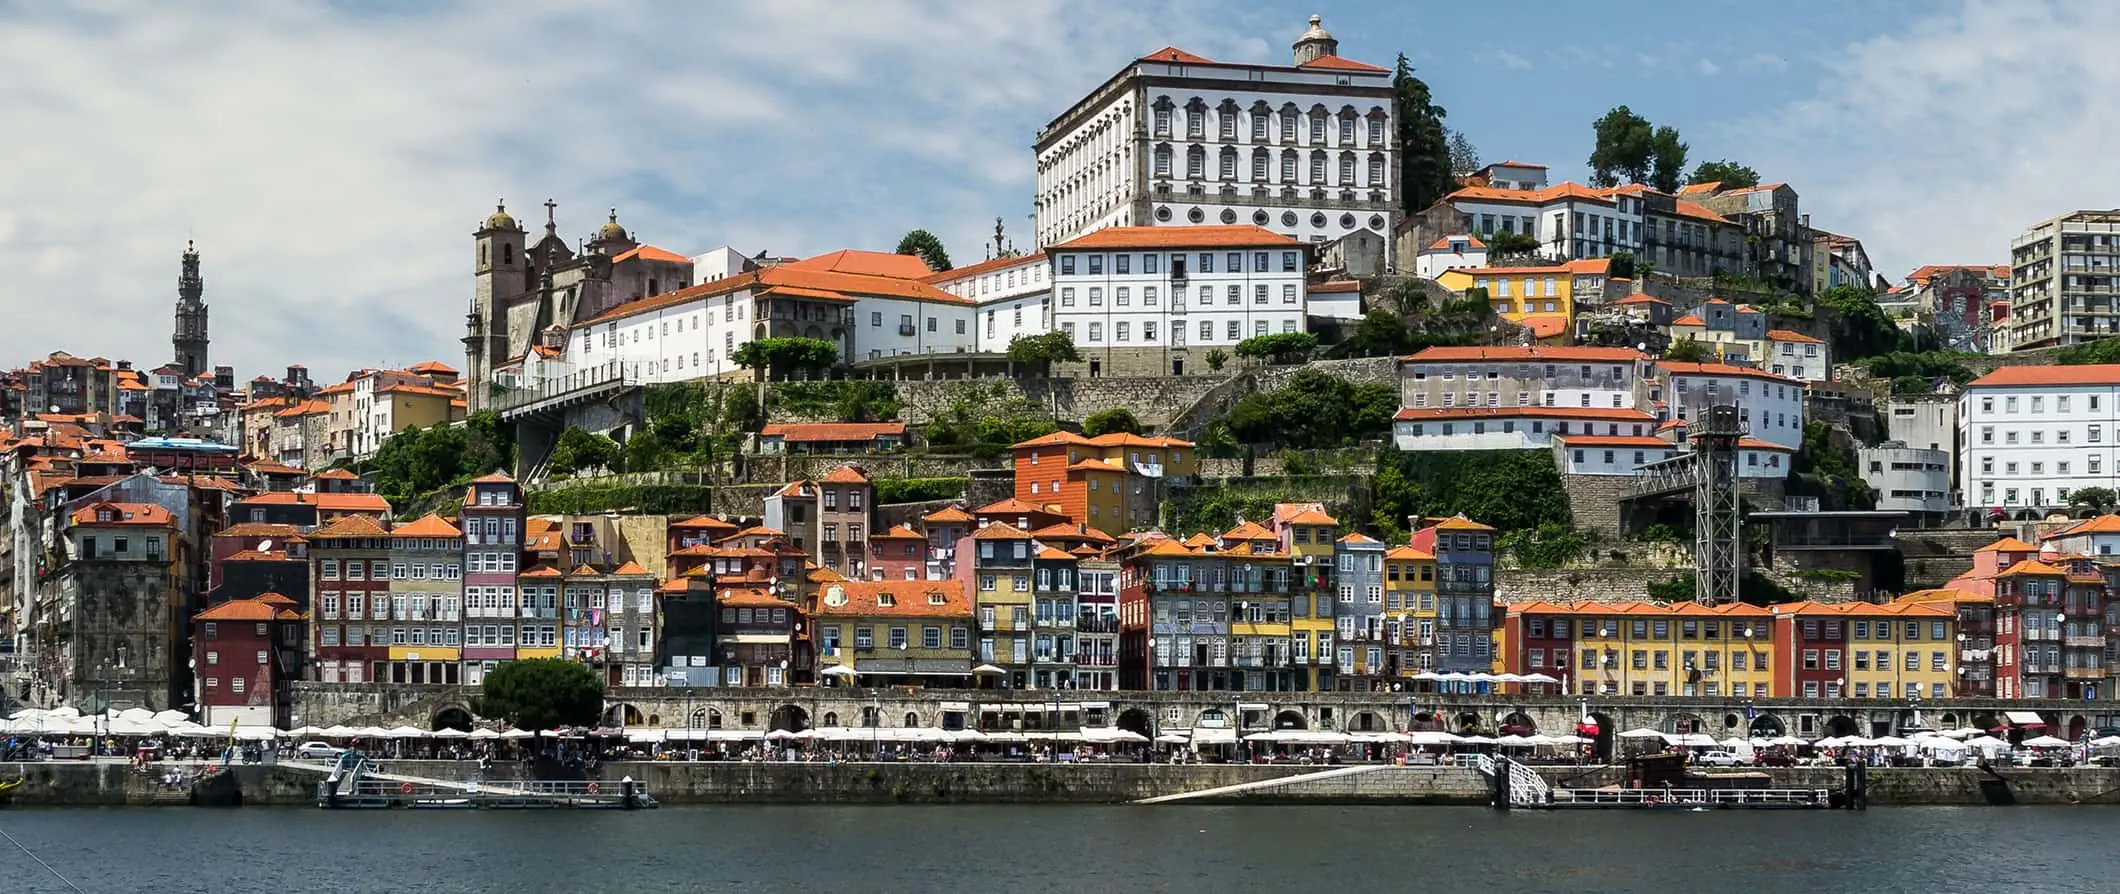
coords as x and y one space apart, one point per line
332 160
1707 66
1940 142
1511 61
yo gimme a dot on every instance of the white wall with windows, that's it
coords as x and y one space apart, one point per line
1509 429
1798 356
1011 297
1605 455
1173 296
2028 446
1569 221
1770 406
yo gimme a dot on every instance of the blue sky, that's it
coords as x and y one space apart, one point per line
332 158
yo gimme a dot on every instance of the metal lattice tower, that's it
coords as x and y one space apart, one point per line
1718 543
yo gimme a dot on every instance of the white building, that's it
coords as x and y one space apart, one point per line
1511 428
1770 406
1620 455
1307 149
1336 300
1914 480
1010 297
1569 220
2033 434
1146 299
1460 252
1798 356
1535 376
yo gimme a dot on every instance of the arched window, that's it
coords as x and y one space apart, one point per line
1229 163
507 253
1195 162
1162 161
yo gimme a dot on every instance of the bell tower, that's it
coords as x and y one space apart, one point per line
1315 42
498 276
189 335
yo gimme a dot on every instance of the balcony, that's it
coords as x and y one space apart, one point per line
2085 673
1972 656
986 625
2086 642
2046 634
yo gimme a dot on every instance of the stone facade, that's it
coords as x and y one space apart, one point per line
1153 399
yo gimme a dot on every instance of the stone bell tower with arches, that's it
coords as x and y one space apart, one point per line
189 335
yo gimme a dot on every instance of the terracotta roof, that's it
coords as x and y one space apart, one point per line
2031 566
1210 236
1676 367
865 263
1338 63
1747 309
540 572
1050 554
585 569
258 529
898 532
1054 438
350 526
1944 594
800 432
1641 298
749 597
1198 541
1127 439
755 531
630 569
1001 532
2104 524
1248 531
798 279
1443 244
1335 287
495 478
1696 210
949 515
1173 54
1792 335
848 474
1757 444
1313 517
1012 506
1407 553
1516 164
1528 354
2016 376
150 514
1689 320
702 521
255 609
325 502
305 408
1601 414
1358 537
420 390
910 599
2008 545
1072 531
429 525
336 475
1862 609
1461 523
1545 325
431 366
650 253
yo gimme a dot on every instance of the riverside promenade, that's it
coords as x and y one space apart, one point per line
117 783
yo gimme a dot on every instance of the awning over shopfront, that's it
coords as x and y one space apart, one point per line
1210 735
2023 718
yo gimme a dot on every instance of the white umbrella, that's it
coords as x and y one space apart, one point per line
372 732
780 735
1641 734
405 732
1691 740
1985 743
1735 742
1518 741
840 670
1538 678
644 735
1428 675
1431 737
446 733
484 733
988 670
338 732
2046 742
517 734
2106 742
1475 740
1893 742
1787 742
1172 739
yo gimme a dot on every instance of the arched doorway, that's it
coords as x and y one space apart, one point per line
1684 724
1290 720
1366 722
1601 741
623 714
2077 726
1518 723
1986 721
710 720
912 720
1135 720
1949 720
1841 725
831 718
1467 723
1768 726
790 719
452 718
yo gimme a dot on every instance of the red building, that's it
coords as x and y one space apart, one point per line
900 553
350 573
247 652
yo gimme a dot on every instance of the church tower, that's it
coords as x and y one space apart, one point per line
1315 42
189 336
498 275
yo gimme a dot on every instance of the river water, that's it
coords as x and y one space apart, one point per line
1071 849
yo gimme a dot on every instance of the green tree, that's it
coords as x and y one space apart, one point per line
644 452
1382 333
1862 329
1116 419
1280 347
1915 373
1512 490
541 693
984 421
2097 499
1830 471
1623 264
1726 172
1314 409
1625 148
489 444
1464 157
927 247
1549 545
1689 350
2101 351
740 411
1507 243
1216 358
578 450
781 355
1424 143
1668 162
1040 352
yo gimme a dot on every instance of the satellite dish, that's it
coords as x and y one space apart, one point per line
265 545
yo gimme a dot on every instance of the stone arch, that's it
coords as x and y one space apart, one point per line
453 717
1682 723
1365 722
1949 720
1768 726
712 720
790 718
1518 723
1840 725
1290 720
1137 721
2077 726
831 718
871 716
624 714
1466 721
912 720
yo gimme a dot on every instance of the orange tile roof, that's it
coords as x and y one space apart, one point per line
650 253
305 408
910 598
630 569
1602 414
1209 236
801 432
1689 320
793 279
1461 523
1051 554
1173 54
1641 298
495 478
1248 531
540 572
749 597
1527 354
1407 553
1313 517
326 502
1545 325
1696 210
255 609
865 263
1861 609
336 475
949 515
845 475
429 525
350 526
1944 594
1198 541
2032 567
1358 537
1792 335
150 514
1676 367
258 529
1338 63
702 521
585 569
2019 376
431 366
2008 545
2104 524
1012 506
1757 444
1443 244
416 390
899 532
1001 532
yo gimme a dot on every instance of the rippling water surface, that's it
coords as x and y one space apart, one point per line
1063 849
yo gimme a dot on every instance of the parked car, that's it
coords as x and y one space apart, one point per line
1718 759
322 750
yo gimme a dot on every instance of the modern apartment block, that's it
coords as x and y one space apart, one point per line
2064 282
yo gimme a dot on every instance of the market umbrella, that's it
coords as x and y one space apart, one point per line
1641 734
338 732
1431 737
484 733
405 732
840 670
2046 742
1513 741
517 734
988 670
1172 739
446 733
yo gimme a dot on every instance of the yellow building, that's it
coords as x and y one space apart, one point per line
1644 648
1539 298
1307 535
426 600
1409 607
1898 651
903 632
